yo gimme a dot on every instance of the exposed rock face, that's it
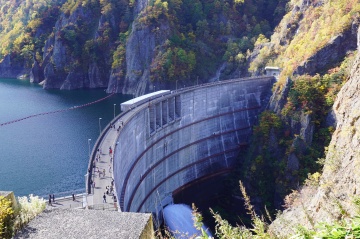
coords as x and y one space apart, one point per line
59 71
97 77
114 81
50 77
36 73
140 50
278 99
339 183
307 128
74 80
332 53
54 74
11 69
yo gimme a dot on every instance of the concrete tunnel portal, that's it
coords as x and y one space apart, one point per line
182 136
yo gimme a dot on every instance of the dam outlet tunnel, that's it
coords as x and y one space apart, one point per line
182 136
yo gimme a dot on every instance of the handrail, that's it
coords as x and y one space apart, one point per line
96 146
103 206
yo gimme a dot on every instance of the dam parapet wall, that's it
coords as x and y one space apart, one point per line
183 136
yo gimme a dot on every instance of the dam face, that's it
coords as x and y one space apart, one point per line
184 136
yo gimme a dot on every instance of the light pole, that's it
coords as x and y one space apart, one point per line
100 124
176 84
114 110
89 140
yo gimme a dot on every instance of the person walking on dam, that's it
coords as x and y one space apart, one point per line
104 198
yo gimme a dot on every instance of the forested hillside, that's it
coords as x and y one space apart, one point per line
290 159
314 44
131 45
304 31
25 26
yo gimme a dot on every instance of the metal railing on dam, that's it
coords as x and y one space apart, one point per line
184 136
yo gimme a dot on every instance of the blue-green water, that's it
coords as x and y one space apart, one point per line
48 153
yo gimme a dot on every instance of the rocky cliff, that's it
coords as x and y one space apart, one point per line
10 68
332 196
132 47
63 70
332 53
312 37
312 71
140 51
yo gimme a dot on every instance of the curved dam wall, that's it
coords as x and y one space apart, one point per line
184 136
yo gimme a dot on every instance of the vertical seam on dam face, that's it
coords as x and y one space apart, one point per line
182 136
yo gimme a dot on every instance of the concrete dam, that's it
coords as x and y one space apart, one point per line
184 136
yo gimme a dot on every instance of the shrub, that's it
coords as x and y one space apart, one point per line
6 218
28 209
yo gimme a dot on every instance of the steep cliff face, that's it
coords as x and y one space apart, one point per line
308 41
63 69
331 198
12 69
140 51
133 47
332 53
311 38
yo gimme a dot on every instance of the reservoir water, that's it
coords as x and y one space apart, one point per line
49 153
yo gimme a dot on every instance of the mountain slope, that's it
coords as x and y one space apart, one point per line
131 46
309 27
332 197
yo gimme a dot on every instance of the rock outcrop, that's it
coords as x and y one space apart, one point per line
332 198
332 53
9 68
140 51
36 73
60 69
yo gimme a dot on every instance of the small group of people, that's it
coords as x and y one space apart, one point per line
113 126
121 125
101 172
104 197
109 190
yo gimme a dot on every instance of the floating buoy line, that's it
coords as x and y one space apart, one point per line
57 111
